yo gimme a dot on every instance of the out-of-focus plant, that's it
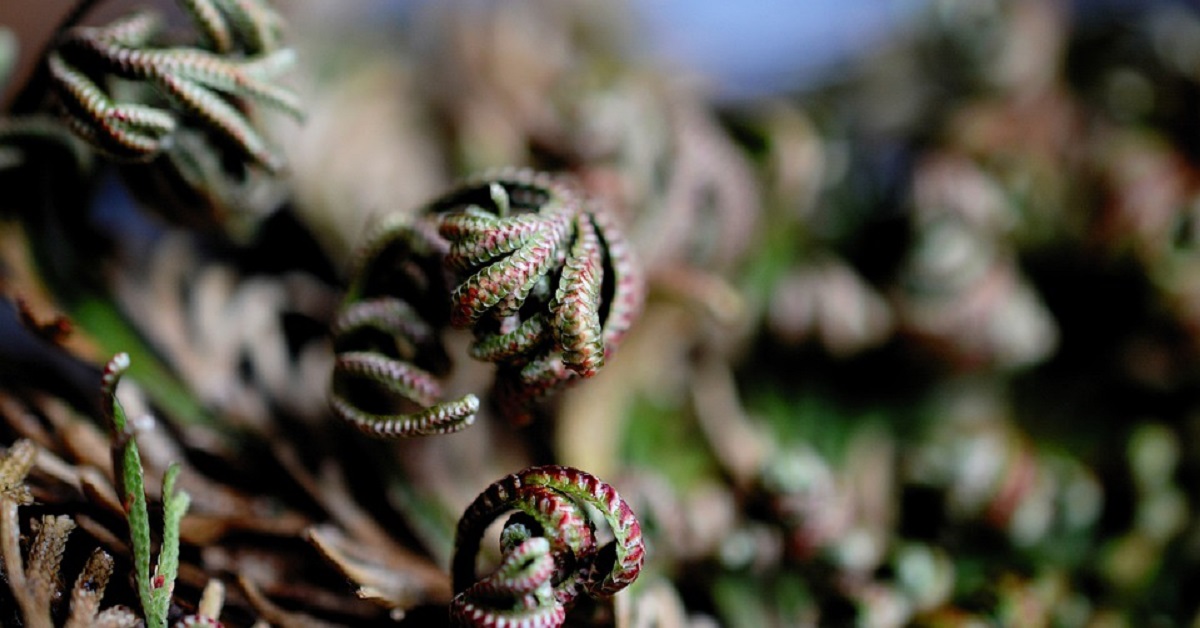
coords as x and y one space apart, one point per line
962 291
179 109
208 611
992 473
16 131
225 332
1131 561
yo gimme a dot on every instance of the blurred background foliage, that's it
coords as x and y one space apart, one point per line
921 345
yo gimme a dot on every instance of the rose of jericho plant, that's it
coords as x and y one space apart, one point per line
198 82
535 269
179 115
550 552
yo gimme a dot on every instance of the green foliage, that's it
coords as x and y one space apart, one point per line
154 587
115 333
746 601
197 82
658 438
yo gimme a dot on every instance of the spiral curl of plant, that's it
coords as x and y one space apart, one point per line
550 554
533 267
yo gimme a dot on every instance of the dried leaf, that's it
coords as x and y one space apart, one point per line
394 586
14 466
42 577
89 590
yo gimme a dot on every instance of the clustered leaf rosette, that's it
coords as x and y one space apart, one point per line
533 267
549 546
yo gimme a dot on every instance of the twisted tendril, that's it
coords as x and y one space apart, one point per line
537 582
535 269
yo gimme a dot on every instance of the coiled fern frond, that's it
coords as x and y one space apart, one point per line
536 269
549 545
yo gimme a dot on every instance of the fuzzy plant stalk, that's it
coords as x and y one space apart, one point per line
154 587
534 268
550 552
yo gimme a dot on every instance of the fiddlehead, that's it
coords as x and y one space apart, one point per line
534 268
551 503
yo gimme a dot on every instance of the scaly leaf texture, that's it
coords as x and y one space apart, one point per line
215 30
380 339
127 464
246 26
89 590
629 284
175 504
555 515
45 561
36 583
154 589
552 503
540 275
14 466
128 132
576 315
517 594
